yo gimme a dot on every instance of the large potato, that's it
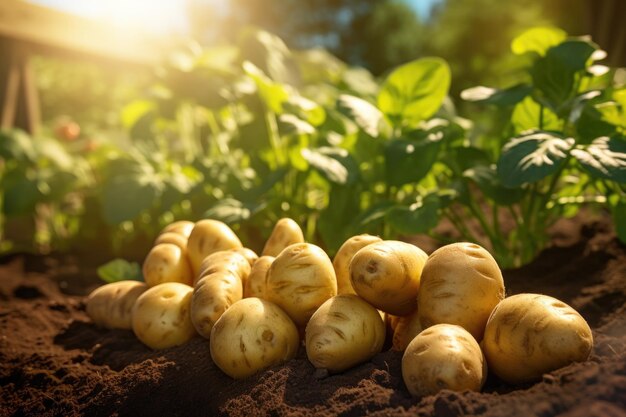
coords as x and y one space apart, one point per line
111 305
212 296
181 227
344 332
166 262
161 316
224 260
300 279
174 238
247 253
251 335
528 335
461 284
444 356
209 236
387 275
286 232
254 286
342 259
405 329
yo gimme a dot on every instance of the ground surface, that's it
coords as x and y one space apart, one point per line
53 361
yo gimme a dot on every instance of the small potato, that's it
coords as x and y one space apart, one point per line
252 335
181 227
209 236
225 260
444 356
255 284
111 305
212 296
387 275
174 238
345 331
528 335
247 253
405 330
342 259
286 232
166 262
161 316
461 284
300 279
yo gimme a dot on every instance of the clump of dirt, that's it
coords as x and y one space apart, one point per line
54 361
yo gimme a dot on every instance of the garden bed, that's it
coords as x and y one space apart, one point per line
54 361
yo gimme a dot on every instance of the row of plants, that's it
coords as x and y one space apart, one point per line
251 133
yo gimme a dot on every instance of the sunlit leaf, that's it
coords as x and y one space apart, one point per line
538 40
233 211
292 124
486 178
16 145
604 158
363 113
335 164
120 270
134 111
272 93
529 115
507 97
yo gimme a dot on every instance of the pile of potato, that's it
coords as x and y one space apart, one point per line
447 312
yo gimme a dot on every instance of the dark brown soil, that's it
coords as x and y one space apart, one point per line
53 361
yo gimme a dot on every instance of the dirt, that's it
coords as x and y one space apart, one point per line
54 361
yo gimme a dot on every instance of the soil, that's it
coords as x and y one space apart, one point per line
54 361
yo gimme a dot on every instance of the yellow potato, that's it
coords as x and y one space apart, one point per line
444 356
387 275
405 330
111 305
229 261
286 232
255 284
209 236
300 279
174 238
212 296
182 227
161 316
342 259
528 335
166 262
461 284
247 253
344 332
252 335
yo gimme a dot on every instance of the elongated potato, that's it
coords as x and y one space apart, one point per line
111 305
286 232
181 227
444 356
161 316
166 262
528 335
247 253
387 275
251 335
209 236
405 330
342 259
300 279
344 332
461 284
174 238
225 260
212 296
256 282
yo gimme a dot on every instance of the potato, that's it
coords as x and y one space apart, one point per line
229 261
251 335
247 253
344 332
174 238
444 356
209 236
181 227
387 275
161 316
528 335
405 329
286 232
255 284
461 284
166 262
342 259
212 296
300 279
111 305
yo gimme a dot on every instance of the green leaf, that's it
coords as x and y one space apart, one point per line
362 112
273 94
466 157
54 152
592 122
290 123
507 97
486 178
604 158
409 160
231 211
419 217
335 164
135 111
538 40
16 145
414 91
306 109
21 195
334 222
120 270
368 219
532 157
529 115
619 220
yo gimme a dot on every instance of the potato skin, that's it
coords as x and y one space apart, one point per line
160 316
209 236
461 284
286 232
166 262
444 356
528 335
174 238
256 282
342 259
299 280
111 305
405 329
181 227
344 332
212 296
247 253
387 275
229 261
251 335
